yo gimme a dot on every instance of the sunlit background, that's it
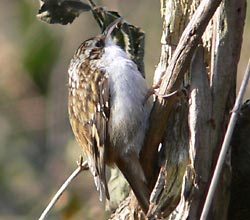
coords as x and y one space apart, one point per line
37 149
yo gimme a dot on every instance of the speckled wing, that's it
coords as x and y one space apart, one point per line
89 111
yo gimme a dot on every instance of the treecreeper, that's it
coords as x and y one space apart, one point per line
109 111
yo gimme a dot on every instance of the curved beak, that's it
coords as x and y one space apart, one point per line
108 31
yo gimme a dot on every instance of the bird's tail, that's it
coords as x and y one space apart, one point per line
133 172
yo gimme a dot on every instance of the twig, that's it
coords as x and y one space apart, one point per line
92 4
81 167
225 144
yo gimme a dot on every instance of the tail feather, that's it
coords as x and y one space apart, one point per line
133 172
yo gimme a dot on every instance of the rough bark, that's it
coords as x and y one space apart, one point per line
194 133
171 82
211 99
227 46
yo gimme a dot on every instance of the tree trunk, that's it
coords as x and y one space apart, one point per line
197 122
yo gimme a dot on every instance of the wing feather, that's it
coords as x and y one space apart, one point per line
89 121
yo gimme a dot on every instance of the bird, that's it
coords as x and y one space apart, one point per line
109 111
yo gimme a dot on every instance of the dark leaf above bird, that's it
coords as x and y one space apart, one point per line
61 11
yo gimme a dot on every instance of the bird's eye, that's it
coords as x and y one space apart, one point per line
100 43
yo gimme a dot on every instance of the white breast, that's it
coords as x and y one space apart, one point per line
128 90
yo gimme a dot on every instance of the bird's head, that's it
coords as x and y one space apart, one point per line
99 42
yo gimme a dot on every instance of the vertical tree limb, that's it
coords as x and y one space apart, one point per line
172 81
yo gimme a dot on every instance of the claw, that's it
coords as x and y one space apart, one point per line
183 92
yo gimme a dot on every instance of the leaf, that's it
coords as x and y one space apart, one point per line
61 11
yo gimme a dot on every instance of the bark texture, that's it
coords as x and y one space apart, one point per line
191 127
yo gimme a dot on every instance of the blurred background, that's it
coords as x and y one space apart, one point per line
37 148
